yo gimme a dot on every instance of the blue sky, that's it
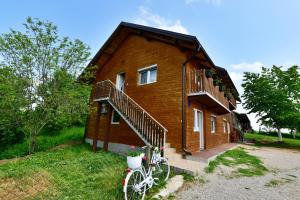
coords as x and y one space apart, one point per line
240 35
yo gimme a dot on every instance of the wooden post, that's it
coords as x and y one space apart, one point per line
148 155
107 133
96 132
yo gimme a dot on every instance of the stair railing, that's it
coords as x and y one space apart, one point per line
148 128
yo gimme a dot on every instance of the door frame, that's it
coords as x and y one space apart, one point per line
119 76
201 128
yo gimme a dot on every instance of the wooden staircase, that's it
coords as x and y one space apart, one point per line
144 125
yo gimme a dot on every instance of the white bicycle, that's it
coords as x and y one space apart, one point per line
139 180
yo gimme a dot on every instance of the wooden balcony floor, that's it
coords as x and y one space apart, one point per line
207 99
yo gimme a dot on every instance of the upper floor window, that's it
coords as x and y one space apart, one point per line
148 75
213 122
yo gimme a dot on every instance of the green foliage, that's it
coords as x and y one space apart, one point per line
238 157
71 103
49 65
209 73
44 142
274 95
271 141
12 102
71 172
134 153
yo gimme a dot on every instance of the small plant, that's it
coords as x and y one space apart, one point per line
221 88
133 152
216 82
209 73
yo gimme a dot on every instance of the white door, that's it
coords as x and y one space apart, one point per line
120 83
201 132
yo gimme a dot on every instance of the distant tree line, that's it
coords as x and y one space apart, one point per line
274 96
38 87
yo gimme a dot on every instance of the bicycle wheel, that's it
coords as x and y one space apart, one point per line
132 189
161 171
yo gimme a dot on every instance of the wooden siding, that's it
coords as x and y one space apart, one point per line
210 139
161 99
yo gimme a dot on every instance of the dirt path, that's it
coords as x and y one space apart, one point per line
282 182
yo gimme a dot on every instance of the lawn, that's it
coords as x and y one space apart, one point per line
72 172
242 163
44 142
272 141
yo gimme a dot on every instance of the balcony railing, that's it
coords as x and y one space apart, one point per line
200 85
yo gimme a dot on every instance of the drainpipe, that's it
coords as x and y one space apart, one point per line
183 76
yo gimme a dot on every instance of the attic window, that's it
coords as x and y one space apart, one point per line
148 75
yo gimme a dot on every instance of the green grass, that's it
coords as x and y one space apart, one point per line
73 172
272 141
44 142
234 158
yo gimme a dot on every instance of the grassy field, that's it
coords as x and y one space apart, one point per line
44 142
72 172
243 164
272 141
63 169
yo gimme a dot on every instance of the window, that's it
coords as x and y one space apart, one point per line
148 75
213 120
115 118
198 120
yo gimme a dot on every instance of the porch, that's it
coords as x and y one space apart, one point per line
207 155
196 163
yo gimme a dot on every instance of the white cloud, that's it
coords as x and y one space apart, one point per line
236 73
148 18
248 67
213 2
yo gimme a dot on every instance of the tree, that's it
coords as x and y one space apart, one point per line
37 56
12 102
274 95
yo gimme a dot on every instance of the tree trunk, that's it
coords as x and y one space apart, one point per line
32 143
279 135
293 132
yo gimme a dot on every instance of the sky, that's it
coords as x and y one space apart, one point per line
239 35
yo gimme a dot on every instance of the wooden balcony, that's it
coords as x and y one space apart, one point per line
203 90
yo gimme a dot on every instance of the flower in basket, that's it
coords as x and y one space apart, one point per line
134 153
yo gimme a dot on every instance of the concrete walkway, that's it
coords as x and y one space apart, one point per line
195 163
210 154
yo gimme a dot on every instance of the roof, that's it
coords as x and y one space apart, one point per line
183 41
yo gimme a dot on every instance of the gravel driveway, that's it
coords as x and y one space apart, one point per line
282 182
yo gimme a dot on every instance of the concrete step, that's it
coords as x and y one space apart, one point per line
169 151
167 145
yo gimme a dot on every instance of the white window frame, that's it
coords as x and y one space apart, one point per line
148 69
196 120
112 118
213 123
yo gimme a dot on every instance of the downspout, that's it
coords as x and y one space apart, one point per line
183 76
